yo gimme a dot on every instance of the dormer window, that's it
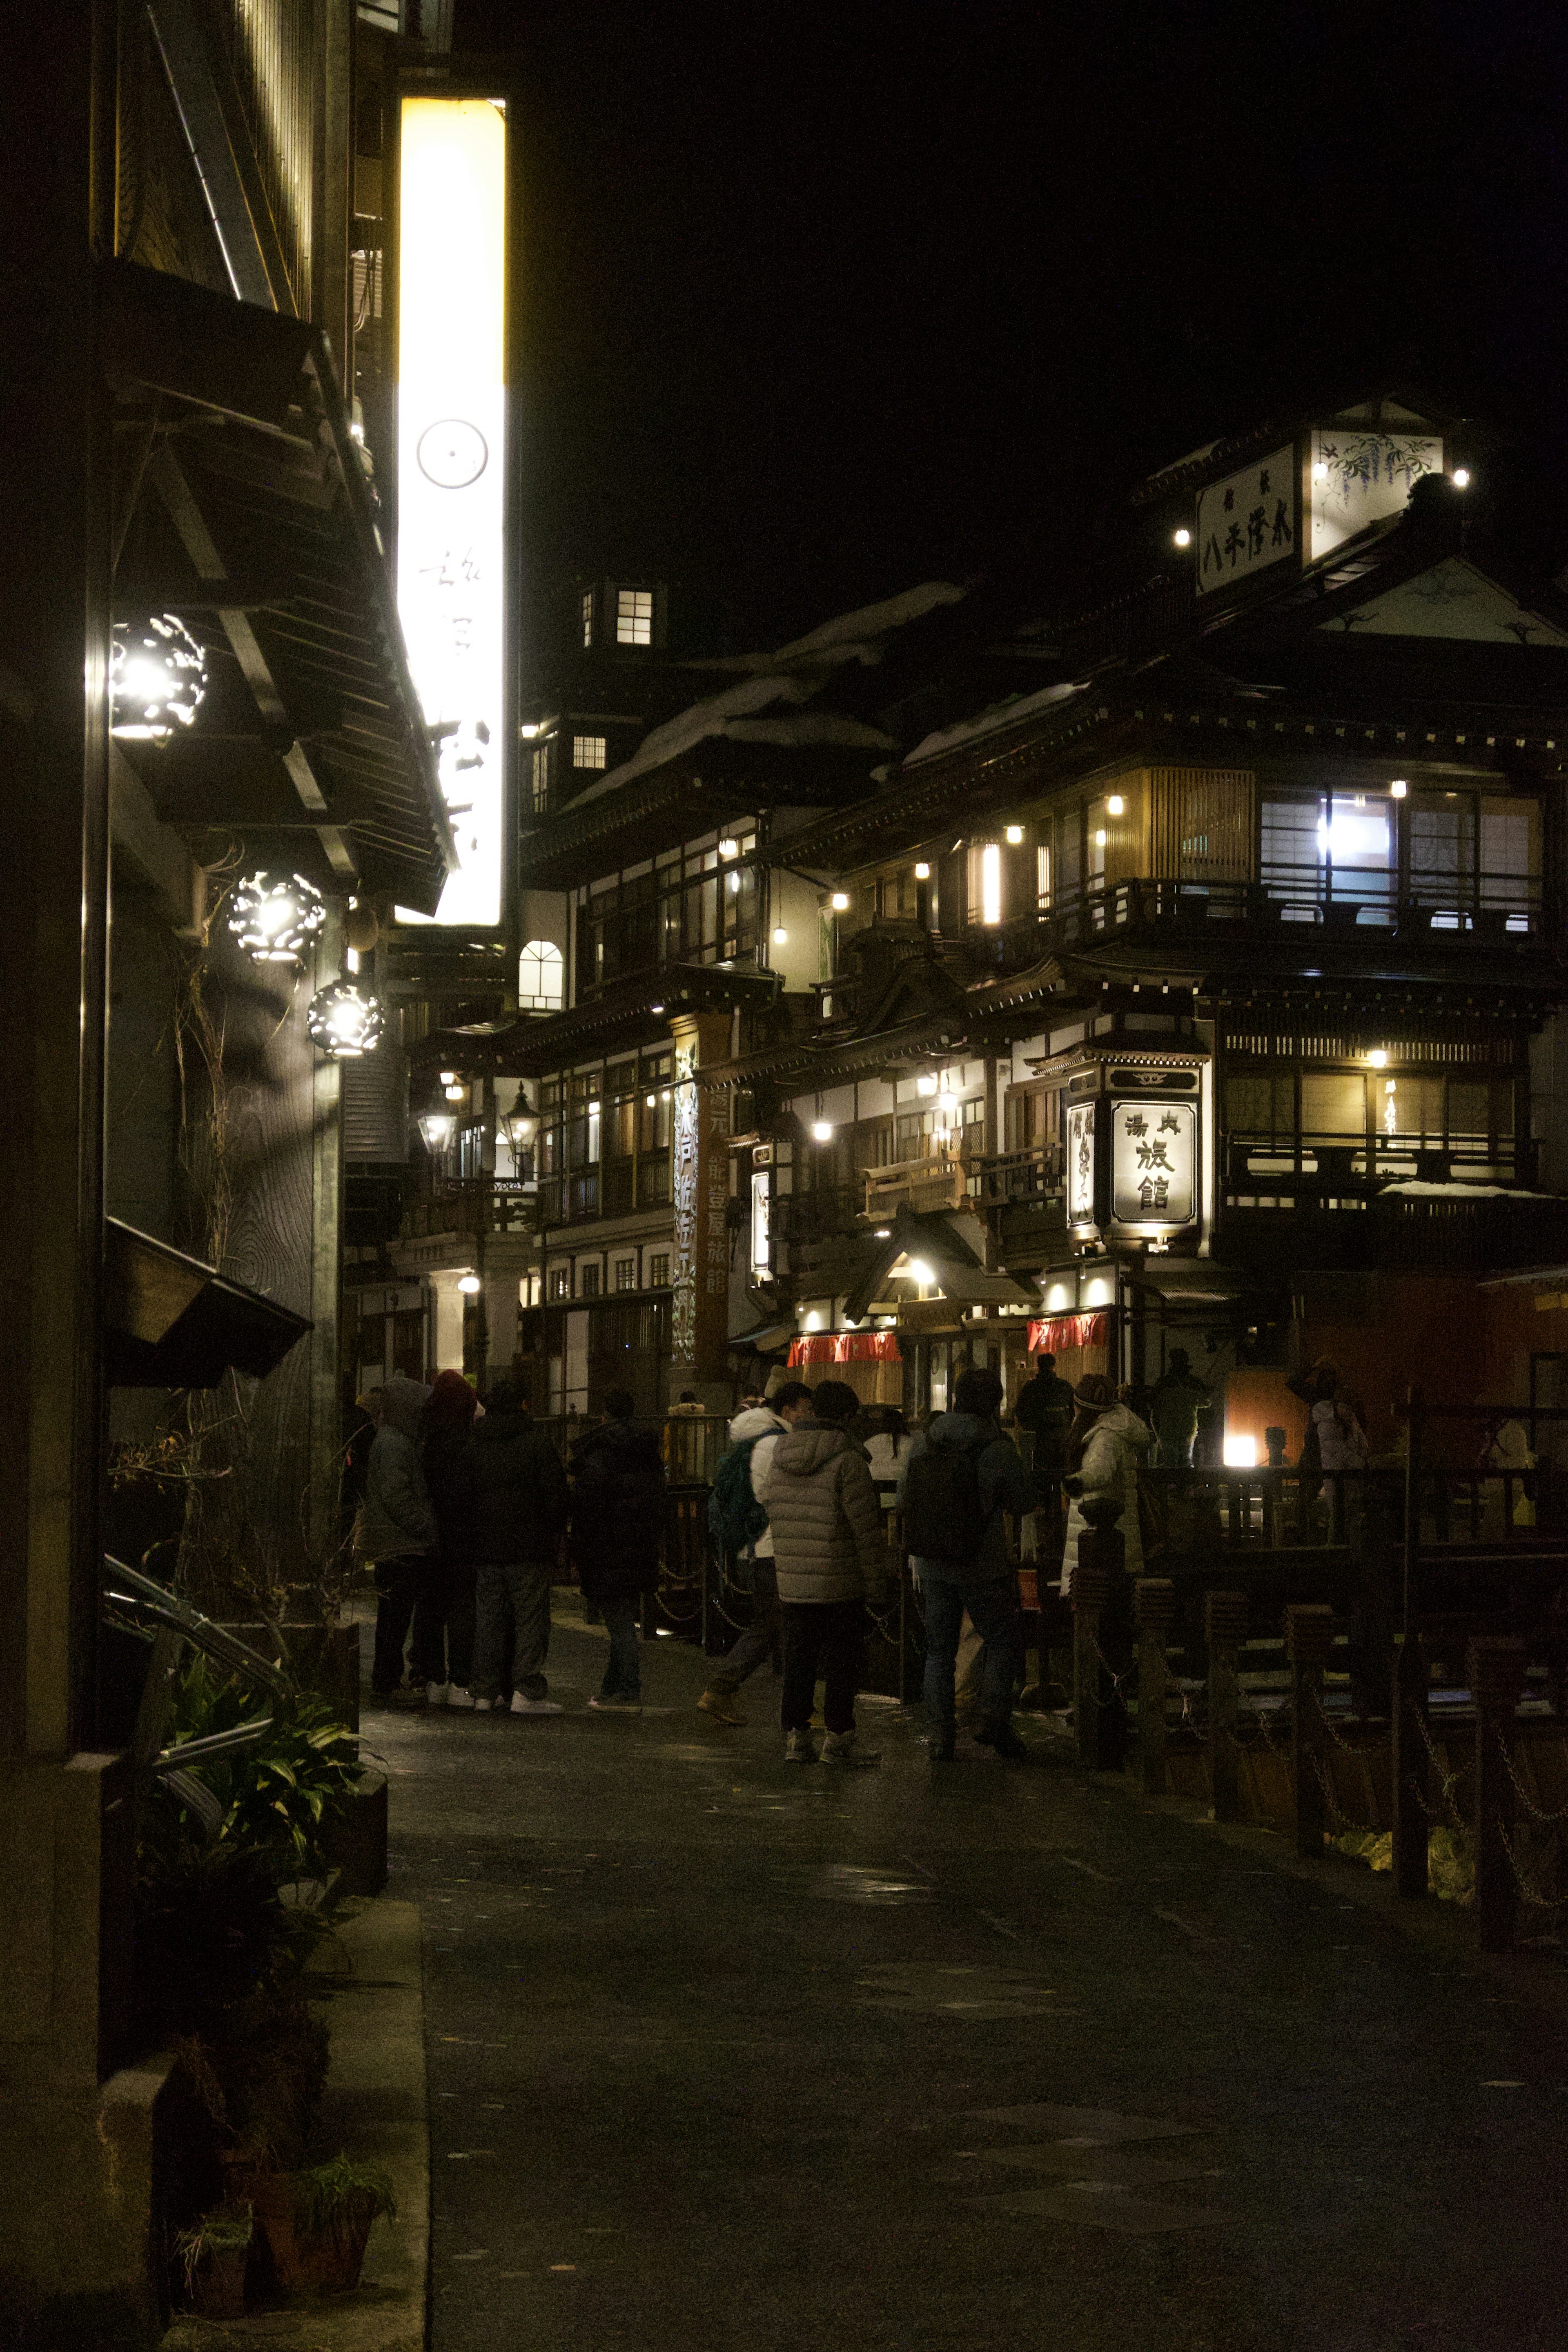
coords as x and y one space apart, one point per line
634 616
588 751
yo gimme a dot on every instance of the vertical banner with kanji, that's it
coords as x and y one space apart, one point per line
700 1302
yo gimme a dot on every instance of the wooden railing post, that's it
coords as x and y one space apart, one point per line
1412 1766
1225 1623
1309 1645
1154 1607
1497 1677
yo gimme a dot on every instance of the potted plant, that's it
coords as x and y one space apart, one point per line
215 2254
316 2223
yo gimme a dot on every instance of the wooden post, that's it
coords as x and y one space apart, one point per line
1224 1622
1309 1644
1411 1767
1154 1607
1496 1678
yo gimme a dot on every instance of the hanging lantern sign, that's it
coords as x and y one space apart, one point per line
342 1021
273 916
157 679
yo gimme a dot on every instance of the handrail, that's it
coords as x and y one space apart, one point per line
148 1603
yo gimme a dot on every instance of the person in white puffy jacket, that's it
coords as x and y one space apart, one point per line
1105 1445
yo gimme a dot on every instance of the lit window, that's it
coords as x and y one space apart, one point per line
588 1284
542 780
540 978
625 1273
634 616
558 1281
587 750
658 1272
587 619
985 882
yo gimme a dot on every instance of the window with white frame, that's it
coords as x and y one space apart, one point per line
587 619
588 751
634 616
658 1272
540 978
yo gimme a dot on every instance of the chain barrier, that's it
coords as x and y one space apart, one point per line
1530 1807
1116 1679
1450 1782
1526 1891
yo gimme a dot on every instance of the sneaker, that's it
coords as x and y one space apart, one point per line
436 1694
483 1705
458 1696
843 1747
721 1706
614 1703
798 1748
521 1706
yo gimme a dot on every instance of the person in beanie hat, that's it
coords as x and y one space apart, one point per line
830 1555
1104 1447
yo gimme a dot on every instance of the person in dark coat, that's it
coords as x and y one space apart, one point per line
515 1493
618 1534
396 1533
446 1425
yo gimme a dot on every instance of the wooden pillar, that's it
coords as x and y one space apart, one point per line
699 1306
1154 1606
1309 1644
1225 1623
1412 1767
1497 1677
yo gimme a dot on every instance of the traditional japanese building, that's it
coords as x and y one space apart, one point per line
1208 990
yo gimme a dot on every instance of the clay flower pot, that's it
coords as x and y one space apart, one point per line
217 2282
326 2260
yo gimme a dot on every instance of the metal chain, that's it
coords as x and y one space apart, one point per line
1449 1781
1527 1893
1528 1801
1116 1679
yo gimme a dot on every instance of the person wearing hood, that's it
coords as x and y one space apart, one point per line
397 1534
830 1555
961 1478
1104 1447
447 1427
516 1500
618 1534
758 1430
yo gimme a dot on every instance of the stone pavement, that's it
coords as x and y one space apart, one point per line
731 2056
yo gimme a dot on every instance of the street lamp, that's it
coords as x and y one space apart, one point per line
342 1021
435 1128
157 679
273 916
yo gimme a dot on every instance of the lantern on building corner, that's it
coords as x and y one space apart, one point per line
345 1020
157 679
436 1129
273 916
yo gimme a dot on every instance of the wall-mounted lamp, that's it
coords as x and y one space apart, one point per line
1461 477
1378 1058
1398 789
821 1130
436 1129
920 1272
1184 538
1116 805
1014 836
274 915
839 902
470 1284
344 1024
925 1086
923 873
781 937
157 679
728 848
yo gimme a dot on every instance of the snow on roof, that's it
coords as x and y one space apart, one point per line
856 633
992 720
1419 1189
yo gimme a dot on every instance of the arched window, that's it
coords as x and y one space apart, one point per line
540 978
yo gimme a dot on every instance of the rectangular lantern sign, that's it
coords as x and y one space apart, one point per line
1154 1163
1081 1163
451 469
762 1222
1247 522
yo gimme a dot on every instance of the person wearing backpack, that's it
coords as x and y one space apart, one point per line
617 1537
959 1479
737 1520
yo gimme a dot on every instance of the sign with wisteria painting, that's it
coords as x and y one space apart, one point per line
1360 477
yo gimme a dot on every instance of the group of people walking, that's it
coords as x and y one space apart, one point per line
467 1518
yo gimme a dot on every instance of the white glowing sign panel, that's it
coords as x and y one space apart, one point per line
1081 1163
451 468
1247 522
762 1222
1359 477
1154 1163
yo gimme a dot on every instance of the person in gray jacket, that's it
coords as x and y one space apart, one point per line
397 1534
959 1480
830 1557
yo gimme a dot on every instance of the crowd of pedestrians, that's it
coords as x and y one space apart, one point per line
471 1517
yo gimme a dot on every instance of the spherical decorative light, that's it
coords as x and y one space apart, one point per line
821 1130
470 1284
157 678
274 915
343 1022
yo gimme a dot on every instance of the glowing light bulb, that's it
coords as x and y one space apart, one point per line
1378 1058
729 849
920 1272
839 902
781 937
1184 537
1398 789
923 873
1116 805
821 1130
1461 477
1014 836
470 1284
925 1086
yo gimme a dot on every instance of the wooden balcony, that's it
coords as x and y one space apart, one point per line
468 1206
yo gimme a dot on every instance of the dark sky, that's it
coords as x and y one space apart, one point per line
823 300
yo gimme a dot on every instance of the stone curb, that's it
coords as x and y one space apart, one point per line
369 1975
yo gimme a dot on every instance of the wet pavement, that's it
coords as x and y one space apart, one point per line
734 2056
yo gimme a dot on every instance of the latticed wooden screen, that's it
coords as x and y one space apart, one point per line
1202 824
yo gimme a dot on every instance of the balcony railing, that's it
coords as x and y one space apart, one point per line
470 1205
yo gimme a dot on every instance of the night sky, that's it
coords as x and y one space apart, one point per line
824 300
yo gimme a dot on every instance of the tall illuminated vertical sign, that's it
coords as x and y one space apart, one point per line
451 469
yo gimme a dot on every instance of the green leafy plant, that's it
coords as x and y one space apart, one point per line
332 2199
227 2229
274 1796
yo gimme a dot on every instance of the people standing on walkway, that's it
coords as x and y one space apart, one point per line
961 1478
1104 1447
617 1537
519 1501
830 1558
753 1437
1044 1412
1175 1402
446 1425
396 1534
